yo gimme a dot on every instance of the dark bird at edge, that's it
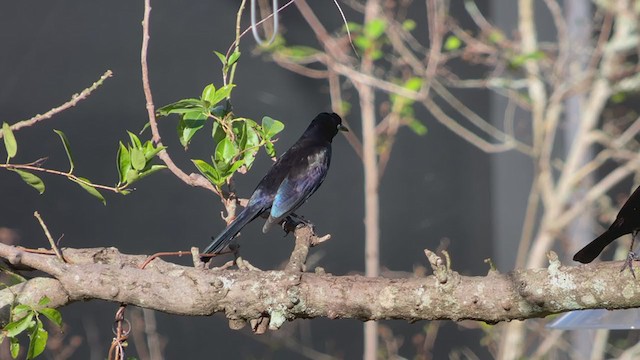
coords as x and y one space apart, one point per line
292 179
627 222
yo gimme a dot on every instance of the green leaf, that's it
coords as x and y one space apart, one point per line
138 161
135 141
217 133
239 129
123 162
145 127
91 190
519 60
20 308
414 83
16 327
53 315
226 150
221 111
353 26
408 25
13 278
9 141
208 93
221 94
298 53
14 347
270 149
251 147
151 151
271 127
618 97
67 148
31 179
150 170
375 28
233 58
131 176
189 125
452 43
181 107
44 301
345 107
38 341
417 127
223 59
209 172
496 37
232 169
362 42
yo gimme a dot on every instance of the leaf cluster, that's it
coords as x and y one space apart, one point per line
135 161
26 319
236 139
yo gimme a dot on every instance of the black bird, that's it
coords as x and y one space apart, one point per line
627 222
292 179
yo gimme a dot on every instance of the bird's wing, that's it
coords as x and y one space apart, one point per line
299 185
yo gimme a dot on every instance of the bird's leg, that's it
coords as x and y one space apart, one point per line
631 256
291 222
240 262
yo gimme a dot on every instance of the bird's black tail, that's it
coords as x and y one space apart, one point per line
227 235
594 248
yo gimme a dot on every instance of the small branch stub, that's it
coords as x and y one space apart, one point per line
440 268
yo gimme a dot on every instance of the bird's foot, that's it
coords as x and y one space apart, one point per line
629 263
293 221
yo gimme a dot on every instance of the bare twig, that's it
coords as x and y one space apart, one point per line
336 106
48 235
75 99
193 179
61 173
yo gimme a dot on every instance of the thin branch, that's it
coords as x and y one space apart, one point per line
61 173
75 99
48 235
236 42
436 15
331 46
564 44
462 131
536 89
596 191
627 135
336 105
193 179
528 225
478 121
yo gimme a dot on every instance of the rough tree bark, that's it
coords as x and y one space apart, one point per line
278 296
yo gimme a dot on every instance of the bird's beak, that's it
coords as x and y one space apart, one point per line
342 128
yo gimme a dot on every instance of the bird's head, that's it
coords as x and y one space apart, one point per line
326 124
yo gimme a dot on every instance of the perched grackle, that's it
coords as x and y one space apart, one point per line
292 179
627 222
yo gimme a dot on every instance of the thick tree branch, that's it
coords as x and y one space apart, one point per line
106 274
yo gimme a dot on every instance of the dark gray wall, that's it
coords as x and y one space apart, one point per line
435 186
